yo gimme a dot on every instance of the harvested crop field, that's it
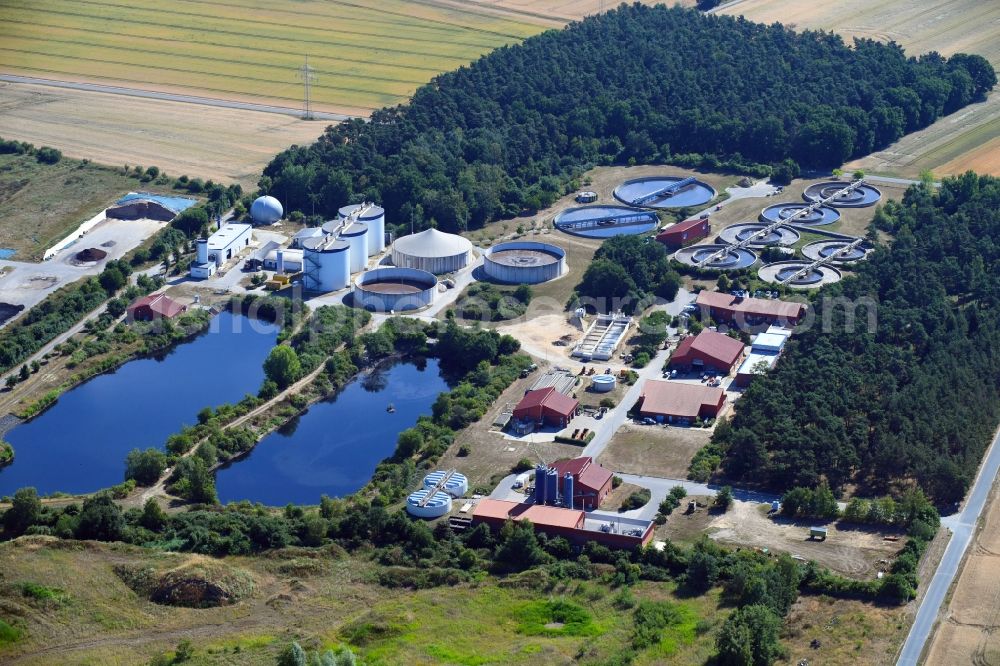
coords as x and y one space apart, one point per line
964 140
365 54
547 12
227 145
968 632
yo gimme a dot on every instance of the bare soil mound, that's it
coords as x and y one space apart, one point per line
91 254
198 583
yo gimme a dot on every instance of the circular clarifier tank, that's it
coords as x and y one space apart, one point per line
823 249
781 271
740 232
606 221
819 217
862 196
726 260
664 192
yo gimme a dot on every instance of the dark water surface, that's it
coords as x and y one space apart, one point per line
334 447
79 444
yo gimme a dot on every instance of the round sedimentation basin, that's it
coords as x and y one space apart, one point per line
606 221
781 270
737 233
823 249
730 261
524 262
637 192
862 196
784 211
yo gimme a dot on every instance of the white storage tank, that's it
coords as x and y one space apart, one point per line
455 484
394 289
432 251
357 236
603 383
326 264
418 504
373 216
524 262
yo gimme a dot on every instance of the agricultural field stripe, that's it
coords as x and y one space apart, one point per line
428 71
170 97
345 74
406 21
278 24
146 82
325 42
255 79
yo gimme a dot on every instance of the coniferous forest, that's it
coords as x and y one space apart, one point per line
650 84
915 398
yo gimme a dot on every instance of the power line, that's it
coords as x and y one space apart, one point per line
308 74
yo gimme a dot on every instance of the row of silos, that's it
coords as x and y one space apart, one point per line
547 489
343 247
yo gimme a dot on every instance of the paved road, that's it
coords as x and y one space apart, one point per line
963 530
170 97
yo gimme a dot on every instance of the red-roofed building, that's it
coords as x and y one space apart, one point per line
547 406
591 482
707 351
678 402
739 311
154 306
571 524
684 233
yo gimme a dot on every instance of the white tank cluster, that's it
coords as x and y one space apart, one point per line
343 247
434 499
374 217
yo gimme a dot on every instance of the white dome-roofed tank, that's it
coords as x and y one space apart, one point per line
432 251
374 217
326 264
453 483
428 504
357 236
266 210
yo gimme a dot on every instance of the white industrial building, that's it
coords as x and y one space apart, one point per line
283 260
220 247
432 251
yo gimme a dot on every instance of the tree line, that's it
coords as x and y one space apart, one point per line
510 132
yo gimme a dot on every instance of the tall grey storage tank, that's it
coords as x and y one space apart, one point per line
540 471
326 264
551 486
357 236
568 490
374 217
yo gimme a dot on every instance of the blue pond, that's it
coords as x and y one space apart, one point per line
176 204
7 253
334 447
605 221
80 443
695 193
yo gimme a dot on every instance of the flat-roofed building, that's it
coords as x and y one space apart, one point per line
574 525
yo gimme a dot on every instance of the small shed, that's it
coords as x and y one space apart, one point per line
817 533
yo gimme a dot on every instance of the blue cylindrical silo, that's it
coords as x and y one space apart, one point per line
551 486
540 471
568 490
